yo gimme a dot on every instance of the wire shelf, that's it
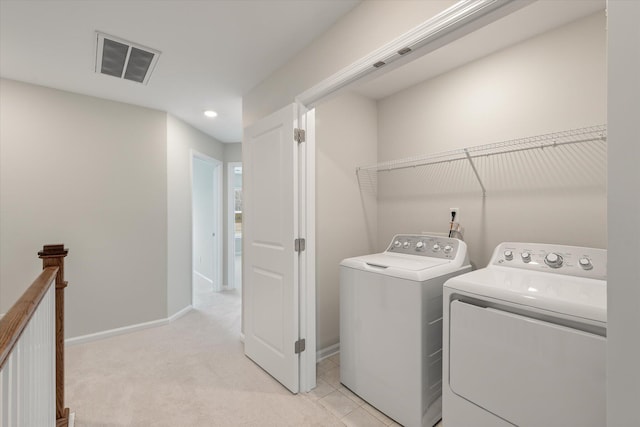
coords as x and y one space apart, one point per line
368 174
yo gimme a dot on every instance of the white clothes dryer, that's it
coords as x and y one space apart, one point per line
525 339
391 325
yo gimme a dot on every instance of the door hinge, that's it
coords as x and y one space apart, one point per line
300 345
300 245
299 135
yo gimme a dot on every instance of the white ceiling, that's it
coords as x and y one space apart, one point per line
536 18
213 51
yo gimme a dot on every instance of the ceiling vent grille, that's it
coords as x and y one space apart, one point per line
123 59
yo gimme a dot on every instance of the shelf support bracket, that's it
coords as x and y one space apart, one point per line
475 171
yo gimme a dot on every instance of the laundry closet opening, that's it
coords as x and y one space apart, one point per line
540 70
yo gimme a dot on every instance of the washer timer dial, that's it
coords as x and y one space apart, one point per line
553 260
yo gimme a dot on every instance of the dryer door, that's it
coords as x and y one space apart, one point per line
526 371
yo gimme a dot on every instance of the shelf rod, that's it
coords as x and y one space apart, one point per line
475 171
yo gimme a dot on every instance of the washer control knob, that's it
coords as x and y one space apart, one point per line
419 245
397 243
526 256
508 255
436 247
585 263
406 245
553 260
448 249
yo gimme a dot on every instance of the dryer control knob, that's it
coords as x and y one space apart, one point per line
508 255
553 260
406 245
397 243
585 263
448 249
436 247
526 256
419 245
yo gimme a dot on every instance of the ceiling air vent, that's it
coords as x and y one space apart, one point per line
123 59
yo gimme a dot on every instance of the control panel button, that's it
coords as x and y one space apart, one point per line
436 247
419 245
526 256
553 260
397 243
508 255
406 245
448 249
585 263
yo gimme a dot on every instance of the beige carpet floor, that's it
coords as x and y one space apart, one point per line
193 373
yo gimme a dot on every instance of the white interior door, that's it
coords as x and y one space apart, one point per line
270 267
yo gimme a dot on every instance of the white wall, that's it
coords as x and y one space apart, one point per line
91 174
181 140
623 290
367 27
552 82
203 218
346 218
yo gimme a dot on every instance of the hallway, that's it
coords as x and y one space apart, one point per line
192 373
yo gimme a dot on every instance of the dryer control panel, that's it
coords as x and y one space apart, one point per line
423 245
561 259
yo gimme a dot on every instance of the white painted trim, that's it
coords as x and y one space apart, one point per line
328 352
231 227
450 24
178 314
126 329
205 278
307 156
462 18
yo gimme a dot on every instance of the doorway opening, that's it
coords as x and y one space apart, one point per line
206 188
234 225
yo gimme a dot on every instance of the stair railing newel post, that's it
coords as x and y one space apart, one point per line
53 256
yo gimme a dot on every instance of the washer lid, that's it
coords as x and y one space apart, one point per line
402 262
568 295
387 260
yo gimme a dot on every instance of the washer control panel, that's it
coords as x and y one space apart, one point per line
423 245
568 260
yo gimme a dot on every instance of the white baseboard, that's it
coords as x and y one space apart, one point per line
323 353
180 313
202 277
126 329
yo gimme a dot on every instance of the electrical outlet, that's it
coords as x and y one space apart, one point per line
457 211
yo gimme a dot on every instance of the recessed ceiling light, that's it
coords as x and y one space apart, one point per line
210 113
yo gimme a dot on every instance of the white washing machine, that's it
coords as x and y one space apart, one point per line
525 339
391 325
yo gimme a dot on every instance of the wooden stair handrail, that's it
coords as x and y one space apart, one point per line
53 256
14 322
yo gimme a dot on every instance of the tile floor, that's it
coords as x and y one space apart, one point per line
193 373
341 402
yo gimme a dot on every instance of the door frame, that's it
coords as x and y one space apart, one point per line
217 206
460 19
231 241
307 262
